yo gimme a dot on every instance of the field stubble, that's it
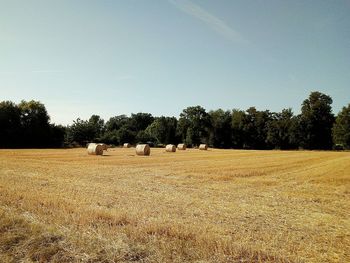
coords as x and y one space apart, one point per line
203 206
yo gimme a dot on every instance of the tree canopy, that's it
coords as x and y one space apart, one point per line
27 124
316 121
341 128
194 125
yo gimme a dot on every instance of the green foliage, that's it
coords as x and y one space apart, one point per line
163 130
83 131
10 123
220 133
194 125
341 128
110 137
255 128
28 125
316 121
125 135
189 135
80 132
237 128
56 135
144 137
140 121
34 123
115 123
282 130
97 124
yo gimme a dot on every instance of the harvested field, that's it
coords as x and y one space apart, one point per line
203 206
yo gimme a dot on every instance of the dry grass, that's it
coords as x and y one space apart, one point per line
220 206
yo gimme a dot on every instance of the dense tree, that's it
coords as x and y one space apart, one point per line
144 137
115 123
81 132
282 129
57 133
163 130
191 134
34 124
255 128
316 121
194 125
97 125
237 128
220 134
110 137
140 121
10 124
85 131
27 124
125 135
341 128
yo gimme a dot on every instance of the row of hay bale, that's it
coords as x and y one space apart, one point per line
144 149
141 149
172 147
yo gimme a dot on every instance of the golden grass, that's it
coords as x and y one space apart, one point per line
220 206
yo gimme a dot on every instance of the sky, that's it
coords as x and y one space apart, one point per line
112 57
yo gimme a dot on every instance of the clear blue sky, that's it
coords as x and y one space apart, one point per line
113 57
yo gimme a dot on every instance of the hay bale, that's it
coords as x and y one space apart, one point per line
143 149
203 146
95 149
90 144
104 146
181 146
170 148
126 145
87 145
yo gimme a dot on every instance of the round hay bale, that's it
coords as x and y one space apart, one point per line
170 148
203 146
90 143
87 145
143 149
95 149
126 145
104 146
181 146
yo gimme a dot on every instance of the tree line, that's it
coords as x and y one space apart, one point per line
27 125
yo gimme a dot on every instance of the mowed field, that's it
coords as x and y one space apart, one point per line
189 206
